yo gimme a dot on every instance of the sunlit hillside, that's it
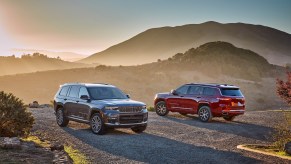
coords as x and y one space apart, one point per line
213 62
32 63
161 43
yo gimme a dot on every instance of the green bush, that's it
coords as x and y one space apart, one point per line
283 132
15 120
151 109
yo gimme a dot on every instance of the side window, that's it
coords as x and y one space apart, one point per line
83 91
209 91
182 90
64 91
74 92
195 90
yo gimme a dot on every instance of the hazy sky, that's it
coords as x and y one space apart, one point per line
89 26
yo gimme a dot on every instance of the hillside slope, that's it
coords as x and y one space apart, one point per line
160 43
32 63
216 62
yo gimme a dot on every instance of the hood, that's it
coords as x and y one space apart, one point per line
165 94
118 102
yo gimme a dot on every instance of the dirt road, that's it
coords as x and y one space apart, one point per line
171 139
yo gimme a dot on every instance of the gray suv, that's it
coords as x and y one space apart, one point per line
102 106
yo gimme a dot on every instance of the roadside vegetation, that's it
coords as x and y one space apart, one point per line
15 120
282 133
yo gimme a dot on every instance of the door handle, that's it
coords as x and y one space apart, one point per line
77 101
65 99
198 97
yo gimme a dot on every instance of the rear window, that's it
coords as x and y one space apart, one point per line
230 92
64 91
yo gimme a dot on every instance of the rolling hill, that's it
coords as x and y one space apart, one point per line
32 63
160 43
215 62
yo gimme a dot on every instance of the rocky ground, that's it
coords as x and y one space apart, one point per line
171 139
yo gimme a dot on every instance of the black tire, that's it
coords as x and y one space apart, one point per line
139 129
61 119
229 118
97 124
205 114
161 108
184 114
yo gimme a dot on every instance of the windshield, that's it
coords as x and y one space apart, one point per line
230 92
100 93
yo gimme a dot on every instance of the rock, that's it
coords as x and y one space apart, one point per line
287 148
34 104
10 143
58 147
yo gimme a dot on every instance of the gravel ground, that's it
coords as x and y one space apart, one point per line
171 139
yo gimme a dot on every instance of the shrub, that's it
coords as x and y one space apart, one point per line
284 88
15 120
151 109
283 130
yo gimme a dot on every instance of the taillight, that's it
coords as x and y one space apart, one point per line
224 99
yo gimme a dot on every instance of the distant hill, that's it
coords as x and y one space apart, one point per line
32 63
161 43
215 62
66 56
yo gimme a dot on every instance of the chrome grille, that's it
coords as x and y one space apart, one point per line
130 109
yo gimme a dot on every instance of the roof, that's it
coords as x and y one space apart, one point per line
214 85
89 84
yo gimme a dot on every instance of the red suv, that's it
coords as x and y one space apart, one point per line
206 100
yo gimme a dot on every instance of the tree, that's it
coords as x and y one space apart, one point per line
15 120
284 88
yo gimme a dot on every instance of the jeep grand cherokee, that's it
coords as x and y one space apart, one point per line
100 105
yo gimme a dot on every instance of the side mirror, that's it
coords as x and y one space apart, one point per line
174 92
128 96
85 97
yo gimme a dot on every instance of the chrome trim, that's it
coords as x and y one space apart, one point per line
182 108
233 111
118 124
78 119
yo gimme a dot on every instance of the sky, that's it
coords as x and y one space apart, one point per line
90 26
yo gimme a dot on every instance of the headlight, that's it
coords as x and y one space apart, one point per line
144 107
111 108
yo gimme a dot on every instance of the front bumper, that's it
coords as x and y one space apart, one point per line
126 120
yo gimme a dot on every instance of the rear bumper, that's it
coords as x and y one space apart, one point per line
233 112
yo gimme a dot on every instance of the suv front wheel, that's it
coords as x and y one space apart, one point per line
97 124
161 108
62 121
205 114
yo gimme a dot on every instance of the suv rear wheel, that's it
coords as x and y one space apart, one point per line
139 129
97 124
161 108
205 114
61 119
229 118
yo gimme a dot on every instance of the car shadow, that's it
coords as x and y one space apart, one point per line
238 128
151 148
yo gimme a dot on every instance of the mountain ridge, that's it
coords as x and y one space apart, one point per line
163 42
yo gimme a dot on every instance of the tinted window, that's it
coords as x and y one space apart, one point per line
64 91
209 91
230 92
182 90
195 90
83 91
100 93
74 92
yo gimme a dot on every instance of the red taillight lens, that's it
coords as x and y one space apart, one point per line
224 99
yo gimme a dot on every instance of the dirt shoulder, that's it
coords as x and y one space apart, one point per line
171 139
